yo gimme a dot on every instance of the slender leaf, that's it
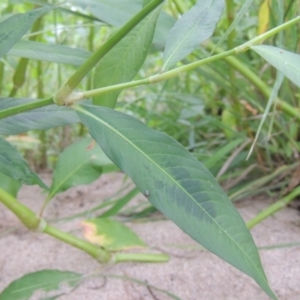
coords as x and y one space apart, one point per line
194 27
111 235
286 62
41 284
123 62
10 185
14 27
120 204
50 52
12 164
42 118
178 185
79 163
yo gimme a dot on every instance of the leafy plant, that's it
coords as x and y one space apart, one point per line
170 176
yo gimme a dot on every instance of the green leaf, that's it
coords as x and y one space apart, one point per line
42 284
79 163
41 118
286 62
12 164
111 235
50 52
14 27
178 185
10 185
193 28
122 63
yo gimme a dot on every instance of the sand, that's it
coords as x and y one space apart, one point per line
191 274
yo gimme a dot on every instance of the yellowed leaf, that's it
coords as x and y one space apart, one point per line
263 17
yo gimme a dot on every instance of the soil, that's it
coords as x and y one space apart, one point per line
191 274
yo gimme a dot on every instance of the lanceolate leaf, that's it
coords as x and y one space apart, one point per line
286 62
123 62
42 118
14 27
50 52
178 185
79 163
12 164
194 27
49 284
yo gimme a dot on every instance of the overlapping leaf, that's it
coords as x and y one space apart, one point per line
178 185
12 164
10 185
14 27
42 118
286 62
123 62
194 27
79 163
49 52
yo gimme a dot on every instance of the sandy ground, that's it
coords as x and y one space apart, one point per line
191 274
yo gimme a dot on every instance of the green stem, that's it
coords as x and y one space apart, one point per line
140 257
90 63
266 35
151 79
274 208
33 222
257 82
107 89
99 254
5 113
244 70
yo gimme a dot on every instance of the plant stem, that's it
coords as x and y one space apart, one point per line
90 63
140 257
266 35
274 208
32 222
98 253
244 70
25 107
119 86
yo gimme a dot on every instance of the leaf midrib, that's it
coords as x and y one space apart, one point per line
81 109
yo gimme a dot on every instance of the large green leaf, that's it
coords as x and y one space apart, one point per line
286 62
41 118
122 63
50 52
42 284
194 27
178 185
79 163
12 164
14 27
